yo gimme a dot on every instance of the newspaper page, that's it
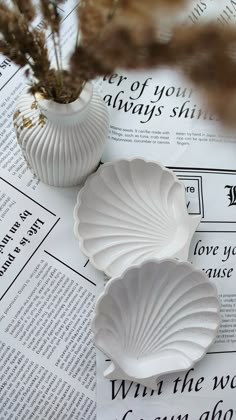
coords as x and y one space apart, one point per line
159 116
206 391
47 287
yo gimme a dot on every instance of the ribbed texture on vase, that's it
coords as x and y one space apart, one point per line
61 154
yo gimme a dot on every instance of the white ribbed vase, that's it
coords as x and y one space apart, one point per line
62 143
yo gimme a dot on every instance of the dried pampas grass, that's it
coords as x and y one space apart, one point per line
123 34
205 53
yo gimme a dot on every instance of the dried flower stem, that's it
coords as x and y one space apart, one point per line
120 34
26 8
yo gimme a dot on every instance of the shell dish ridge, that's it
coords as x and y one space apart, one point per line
139 332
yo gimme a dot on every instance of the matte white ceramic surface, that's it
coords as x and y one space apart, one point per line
156 318
62 143
132 210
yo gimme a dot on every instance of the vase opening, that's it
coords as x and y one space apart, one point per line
58 111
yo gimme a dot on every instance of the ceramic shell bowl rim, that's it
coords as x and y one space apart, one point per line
158 262
81 192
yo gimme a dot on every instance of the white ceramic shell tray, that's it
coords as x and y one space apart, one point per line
158 317
132 210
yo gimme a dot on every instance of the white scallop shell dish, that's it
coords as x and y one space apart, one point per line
157 318
132 210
